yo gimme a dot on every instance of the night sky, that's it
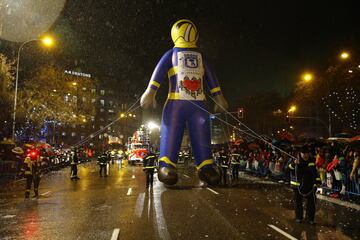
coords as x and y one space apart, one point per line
253 46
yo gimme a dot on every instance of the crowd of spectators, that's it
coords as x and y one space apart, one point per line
338 165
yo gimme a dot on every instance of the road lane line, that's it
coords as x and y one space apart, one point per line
45 193
129 192
158 217
139 207
115 234
282 232
133 176
212 191
186 176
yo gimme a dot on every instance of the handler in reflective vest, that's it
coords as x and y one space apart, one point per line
304 180
149 167
32 171
235 165
224 164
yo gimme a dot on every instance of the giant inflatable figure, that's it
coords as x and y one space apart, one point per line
187 70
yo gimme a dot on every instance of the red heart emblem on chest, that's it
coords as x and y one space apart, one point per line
192 85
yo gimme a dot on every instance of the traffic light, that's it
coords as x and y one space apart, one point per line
240 112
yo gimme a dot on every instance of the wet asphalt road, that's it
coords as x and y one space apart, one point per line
92 207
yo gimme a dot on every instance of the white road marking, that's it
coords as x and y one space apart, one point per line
45 193
115 234
9 216
159 219
129 192
186 176
282 232
140 205
133 176
212 191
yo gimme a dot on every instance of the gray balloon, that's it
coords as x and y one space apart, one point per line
23 20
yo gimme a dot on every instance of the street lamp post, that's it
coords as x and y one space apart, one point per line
308 77
47 41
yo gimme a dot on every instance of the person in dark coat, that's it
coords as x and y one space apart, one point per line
304 180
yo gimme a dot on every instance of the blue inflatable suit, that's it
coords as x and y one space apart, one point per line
187 72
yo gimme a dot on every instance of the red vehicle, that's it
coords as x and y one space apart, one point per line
137 151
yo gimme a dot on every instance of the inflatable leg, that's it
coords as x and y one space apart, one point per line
172 130
199 130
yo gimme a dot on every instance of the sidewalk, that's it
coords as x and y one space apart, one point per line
337 201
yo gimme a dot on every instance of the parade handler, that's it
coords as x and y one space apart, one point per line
304 181
186 69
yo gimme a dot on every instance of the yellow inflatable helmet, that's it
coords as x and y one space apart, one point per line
184 34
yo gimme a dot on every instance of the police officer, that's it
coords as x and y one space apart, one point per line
149 166
74 162
103 161
304 179
224 164
235 165
32 171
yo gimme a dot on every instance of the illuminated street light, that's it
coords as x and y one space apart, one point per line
344 55
122 115
48 42
307 77
292 108
152 125
130 115
74 83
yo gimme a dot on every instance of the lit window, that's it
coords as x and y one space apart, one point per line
73 134
93 90
93 100
102 92
63 133
84 99
102 102
84 88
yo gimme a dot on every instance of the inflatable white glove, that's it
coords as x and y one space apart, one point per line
148 99
220 100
